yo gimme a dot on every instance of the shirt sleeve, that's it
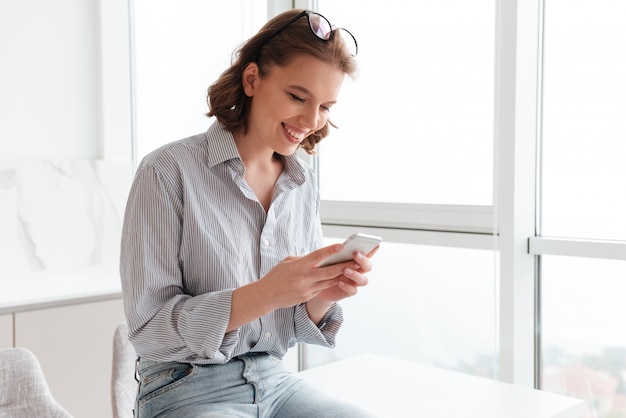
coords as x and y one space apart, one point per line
323 334
165 323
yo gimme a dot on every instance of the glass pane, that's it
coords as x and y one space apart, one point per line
420 113
583 343
180 48
434 311
584 123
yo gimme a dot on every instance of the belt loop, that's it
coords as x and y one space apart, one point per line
137 370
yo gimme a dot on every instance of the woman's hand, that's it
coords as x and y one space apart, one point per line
352 277
296 280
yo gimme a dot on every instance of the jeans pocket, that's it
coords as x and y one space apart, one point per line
161 378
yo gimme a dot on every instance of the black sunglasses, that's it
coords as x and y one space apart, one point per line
321 27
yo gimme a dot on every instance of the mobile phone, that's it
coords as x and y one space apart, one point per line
362 243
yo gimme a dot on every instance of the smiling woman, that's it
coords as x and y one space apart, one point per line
222 239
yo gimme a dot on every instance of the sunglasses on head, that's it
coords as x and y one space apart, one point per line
321 27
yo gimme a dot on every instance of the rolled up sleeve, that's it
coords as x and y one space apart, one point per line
165 323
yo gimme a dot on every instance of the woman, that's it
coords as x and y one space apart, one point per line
222 237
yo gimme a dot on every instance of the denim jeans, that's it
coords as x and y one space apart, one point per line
253 385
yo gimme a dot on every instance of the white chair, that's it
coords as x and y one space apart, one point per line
123 383
24 391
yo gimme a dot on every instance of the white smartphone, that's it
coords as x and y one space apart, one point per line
362 243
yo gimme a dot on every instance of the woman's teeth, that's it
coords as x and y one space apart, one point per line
295 135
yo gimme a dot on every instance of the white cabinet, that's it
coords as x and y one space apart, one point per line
74 346
6 331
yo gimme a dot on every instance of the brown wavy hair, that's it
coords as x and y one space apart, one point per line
226 98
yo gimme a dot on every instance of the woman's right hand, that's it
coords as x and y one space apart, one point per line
297 279
292 281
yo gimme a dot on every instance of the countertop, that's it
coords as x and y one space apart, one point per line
48 289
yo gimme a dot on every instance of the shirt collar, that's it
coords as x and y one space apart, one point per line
221 147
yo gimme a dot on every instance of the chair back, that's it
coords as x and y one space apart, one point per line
123 383
24 391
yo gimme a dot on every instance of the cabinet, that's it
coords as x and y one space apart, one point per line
74 346
6 331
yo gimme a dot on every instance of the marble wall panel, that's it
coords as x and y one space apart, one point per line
61 215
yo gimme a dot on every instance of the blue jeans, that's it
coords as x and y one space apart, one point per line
253 385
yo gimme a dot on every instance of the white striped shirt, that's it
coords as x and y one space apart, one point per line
193 232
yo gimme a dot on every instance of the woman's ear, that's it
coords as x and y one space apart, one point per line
250 78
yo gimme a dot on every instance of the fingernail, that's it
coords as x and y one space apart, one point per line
348 271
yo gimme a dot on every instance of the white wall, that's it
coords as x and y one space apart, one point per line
51 91
64 130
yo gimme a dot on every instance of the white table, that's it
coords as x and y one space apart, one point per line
395 389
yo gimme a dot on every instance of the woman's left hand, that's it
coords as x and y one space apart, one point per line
353 276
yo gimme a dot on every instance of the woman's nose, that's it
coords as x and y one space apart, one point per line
310 117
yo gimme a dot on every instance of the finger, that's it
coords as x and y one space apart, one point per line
325 284
362 262
339 270
348 288
357 278
291 257
317 256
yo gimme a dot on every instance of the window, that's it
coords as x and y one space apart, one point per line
421 307
559 96
420 113
583 244
584 128
413 157
583 351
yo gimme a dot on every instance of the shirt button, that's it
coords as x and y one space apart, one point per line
268 335
266 242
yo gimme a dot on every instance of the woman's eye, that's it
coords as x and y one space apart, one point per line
296 98
325 108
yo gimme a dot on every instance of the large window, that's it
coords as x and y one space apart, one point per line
583 148
420 113
558 91
414 157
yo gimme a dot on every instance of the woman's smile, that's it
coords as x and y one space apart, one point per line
294 135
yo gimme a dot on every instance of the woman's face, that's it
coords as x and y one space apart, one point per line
291 102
